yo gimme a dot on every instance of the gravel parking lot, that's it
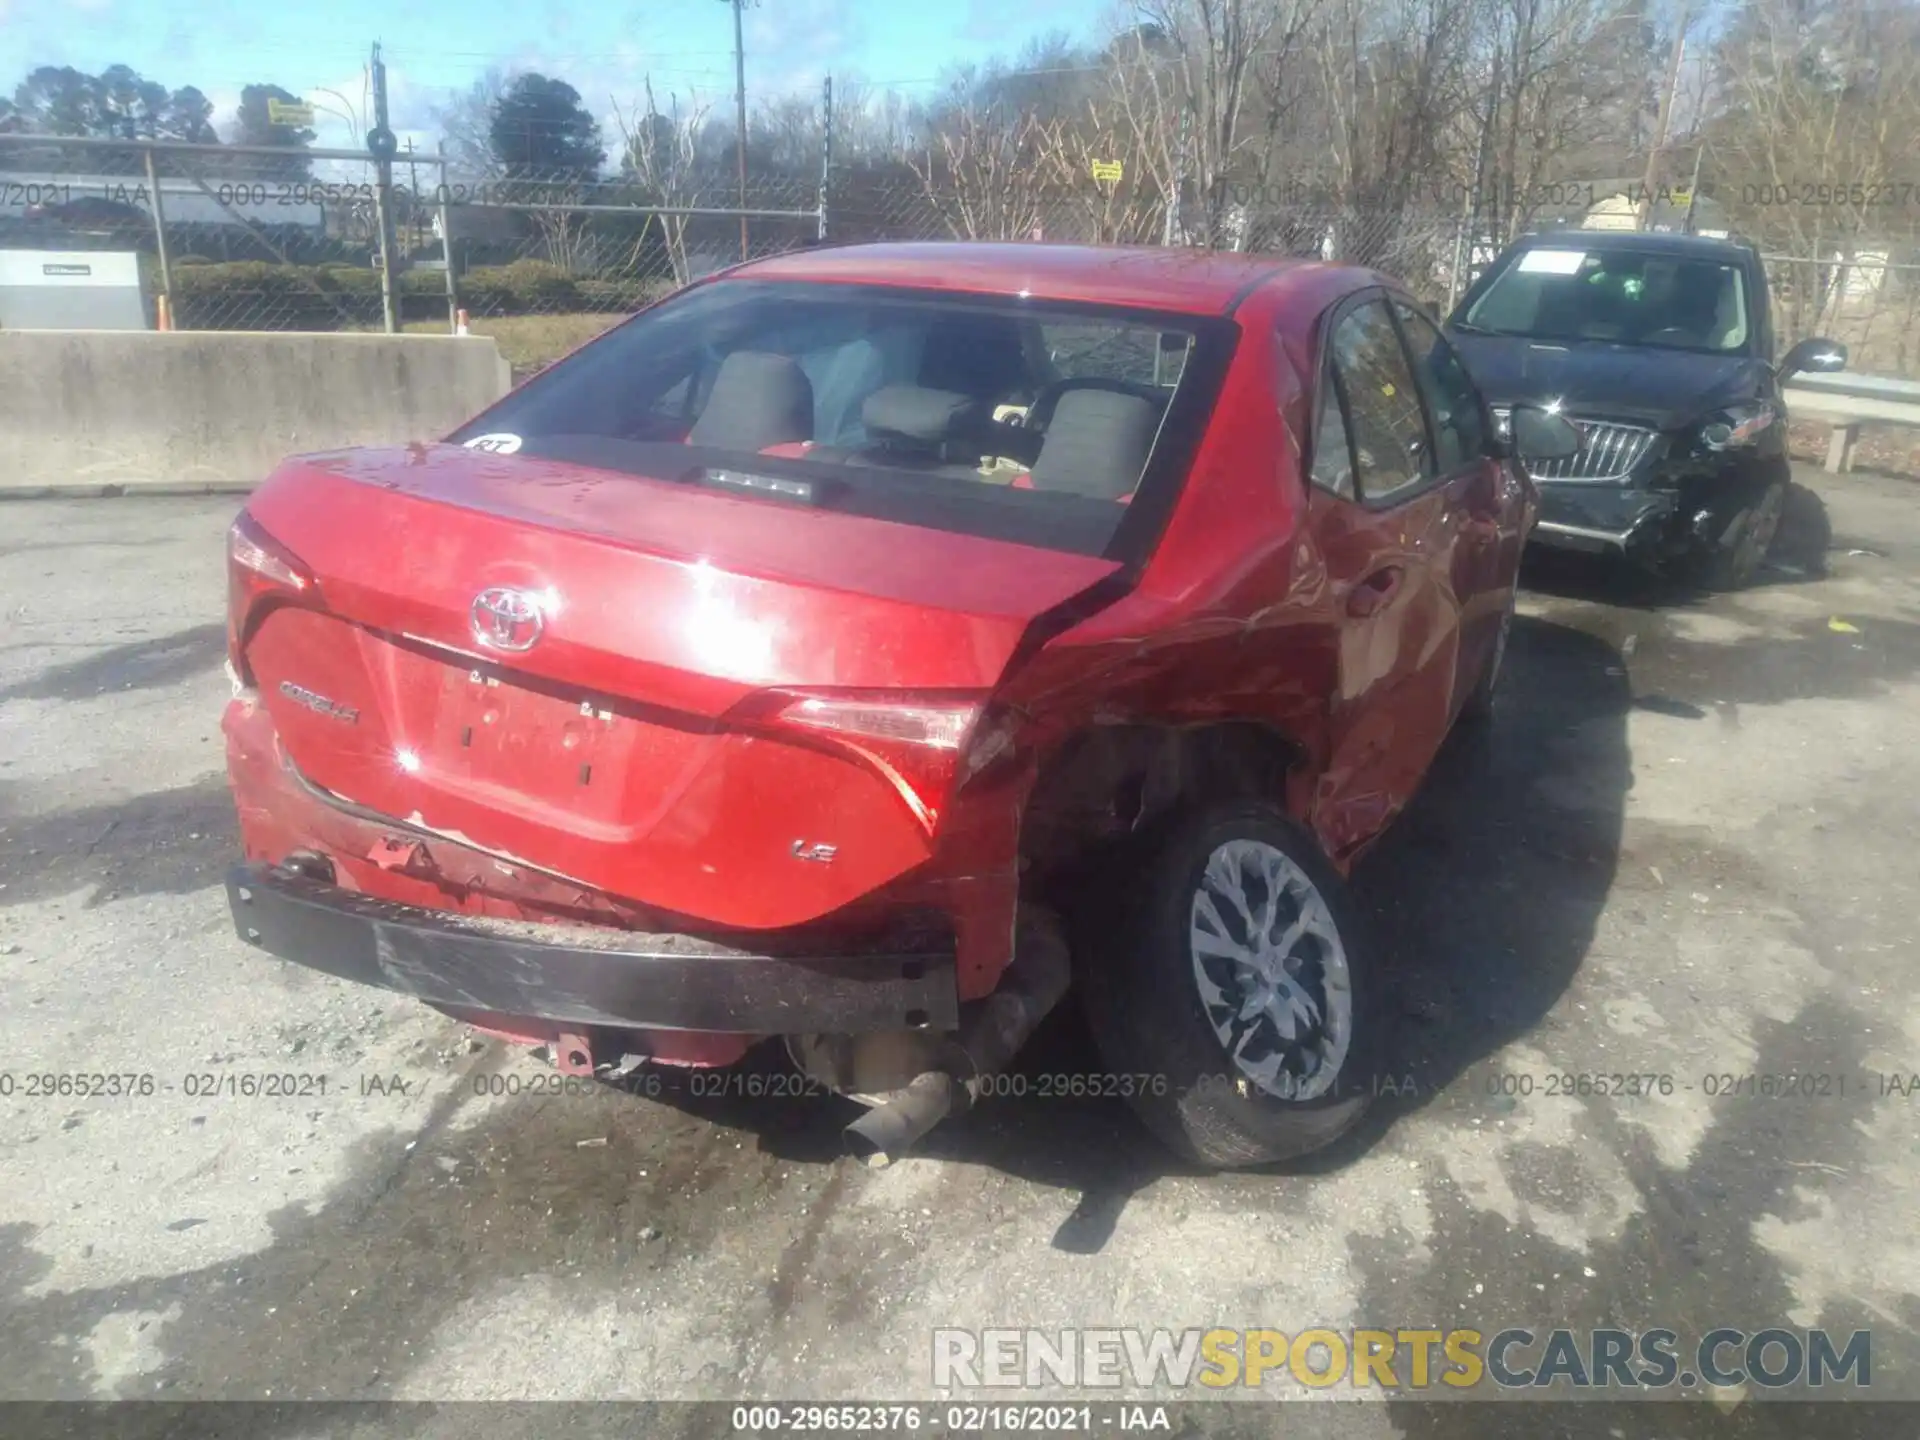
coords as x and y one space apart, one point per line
1687 849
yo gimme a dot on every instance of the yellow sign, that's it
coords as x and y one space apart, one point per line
1110 170
288 112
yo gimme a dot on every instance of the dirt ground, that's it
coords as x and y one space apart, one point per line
1687 848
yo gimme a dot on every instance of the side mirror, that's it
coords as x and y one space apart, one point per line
1540 434
1817 357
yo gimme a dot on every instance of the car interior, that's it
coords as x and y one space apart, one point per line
970 397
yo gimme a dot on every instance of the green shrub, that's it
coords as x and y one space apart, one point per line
611 296
348 281
522 288
262 295
424 282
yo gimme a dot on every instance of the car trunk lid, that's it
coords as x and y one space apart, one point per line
551 663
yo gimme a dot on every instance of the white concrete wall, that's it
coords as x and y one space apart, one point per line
100 411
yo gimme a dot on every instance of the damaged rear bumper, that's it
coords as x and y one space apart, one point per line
592 976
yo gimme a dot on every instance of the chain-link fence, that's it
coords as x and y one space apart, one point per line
229 237
233 238
543 264
1867 301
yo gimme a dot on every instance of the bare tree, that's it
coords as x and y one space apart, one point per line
1123 211
1391 79
1200 91
661 152
983 174
466 124
1564 71
1814 149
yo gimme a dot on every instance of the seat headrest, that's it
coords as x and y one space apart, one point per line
758 400
1097 444
914 416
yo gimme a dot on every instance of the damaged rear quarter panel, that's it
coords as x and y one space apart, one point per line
1231 629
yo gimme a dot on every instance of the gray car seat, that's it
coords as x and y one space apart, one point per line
1097 444
757 400
916 423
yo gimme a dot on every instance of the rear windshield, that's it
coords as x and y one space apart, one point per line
1047 424
1622 296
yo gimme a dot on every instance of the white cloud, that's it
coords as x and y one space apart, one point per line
791 48
225 101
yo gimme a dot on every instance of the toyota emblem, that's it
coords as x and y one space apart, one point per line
505 619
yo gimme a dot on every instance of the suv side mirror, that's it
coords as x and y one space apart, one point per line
1541 434
1818 357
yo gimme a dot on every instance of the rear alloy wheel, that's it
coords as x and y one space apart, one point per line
1237 998
1746 541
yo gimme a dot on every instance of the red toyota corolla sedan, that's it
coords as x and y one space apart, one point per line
796 660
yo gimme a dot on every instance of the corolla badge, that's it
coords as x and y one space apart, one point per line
506 619
318 703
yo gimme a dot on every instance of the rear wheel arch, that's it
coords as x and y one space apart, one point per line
1109 783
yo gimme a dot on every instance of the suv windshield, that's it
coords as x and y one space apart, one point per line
1617 296
1019 420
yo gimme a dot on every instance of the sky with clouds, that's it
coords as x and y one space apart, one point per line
437 48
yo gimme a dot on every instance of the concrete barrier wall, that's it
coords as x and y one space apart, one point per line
102 411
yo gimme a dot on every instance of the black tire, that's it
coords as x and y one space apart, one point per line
1482 702
1733 563
1143 1002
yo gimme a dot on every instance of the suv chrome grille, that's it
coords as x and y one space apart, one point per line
1607 451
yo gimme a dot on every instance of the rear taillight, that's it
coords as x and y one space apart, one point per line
258 567
921 743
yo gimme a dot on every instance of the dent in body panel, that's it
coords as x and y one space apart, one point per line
1241 617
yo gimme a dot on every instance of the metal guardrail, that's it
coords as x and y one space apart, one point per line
1848 401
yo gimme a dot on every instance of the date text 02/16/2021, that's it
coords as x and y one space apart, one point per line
958 1419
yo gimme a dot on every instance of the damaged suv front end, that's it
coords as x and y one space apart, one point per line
1659 350
1655 490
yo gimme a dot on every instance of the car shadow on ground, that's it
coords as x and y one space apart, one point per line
1483 898
139 665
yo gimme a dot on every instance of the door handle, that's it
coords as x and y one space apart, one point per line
1372 593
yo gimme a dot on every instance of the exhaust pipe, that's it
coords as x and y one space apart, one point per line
991 1033
886 1132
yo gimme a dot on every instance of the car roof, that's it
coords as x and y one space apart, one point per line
1194 282
1658 242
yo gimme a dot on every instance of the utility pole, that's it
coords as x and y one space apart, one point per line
413 197
1657 153
382 146
826 152
1693 186
1170 227
1467 245
446 244
740 105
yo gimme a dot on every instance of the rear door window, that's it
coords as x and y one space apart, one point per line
1459 420
1332 450
1392 453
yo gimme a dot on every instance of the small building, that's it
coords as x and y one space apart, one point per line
72 290
1672 211
223 202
